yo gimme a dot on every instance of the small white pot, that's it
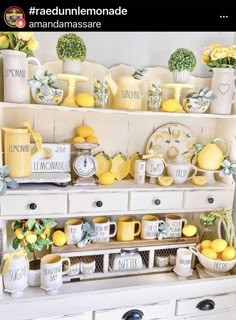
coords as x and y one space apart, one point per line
180 76
71 66
34 278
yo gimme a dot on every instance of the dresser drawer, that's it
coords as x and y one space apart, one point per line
156 200
208 199
33 204
150 312
227 315
98 202
220 303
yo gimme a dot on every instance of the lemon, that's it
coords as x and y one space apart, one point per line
199 180
136 156
218 245
78 139
47 229
165 181
189 230
31 237
92 139
43 235
205 244
106 178
209 253
120 166
85 100
228 254
84 131
59 238
103 163
171 105
19 234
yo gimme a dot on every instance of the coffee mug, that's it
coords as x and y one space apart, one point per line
88 265
126 228
180 172
73 231
74 267
183 262
150 225
103 228
174 224
51 272
162 261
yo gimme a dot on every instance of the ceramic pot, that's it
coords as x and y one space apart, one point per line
34 275
71 66
192 105
180 76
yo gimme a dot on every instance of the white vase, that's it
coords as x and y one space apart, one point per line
15 71
34 277
223 87
71 66
180 76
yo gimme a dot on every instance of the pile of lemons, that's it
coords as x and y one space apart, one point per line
85 134
217 249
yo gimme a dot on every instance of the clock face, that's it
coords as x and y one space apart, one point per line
85 166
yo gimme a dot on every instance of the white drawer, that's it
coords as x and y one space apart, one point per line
208 199
141 200
221 302
228 315
150 312
98 202
67 317
33 204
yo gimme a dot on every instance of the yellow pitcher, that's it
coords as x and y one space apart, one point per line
17 151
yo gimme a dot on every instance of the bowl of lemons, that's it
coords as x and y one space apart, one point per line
215 256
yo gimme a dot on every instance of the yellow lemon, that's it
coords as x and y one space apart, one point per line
31 237
78 139
59 238
19 234
189 230
106 178
219 245
47 229
199 180
171 105
228 254
120 166
84 131
209 253
85 100
92 139
165 181
136 156
43 235
103 163
205 244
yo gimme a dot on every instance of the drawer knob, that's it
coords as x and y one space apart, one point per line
157 202
210 200
133 315
206 305
33 206
99 204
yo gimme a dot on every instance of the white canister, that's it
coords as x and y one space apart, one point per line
155 166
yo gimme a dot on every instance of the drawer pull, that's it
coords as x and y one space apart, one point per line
157 202
99 204
210 200
33 206
133 315
206 305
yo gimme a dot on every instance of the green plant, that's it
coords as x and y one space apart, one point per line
182 59
204 95
6 181
71 46
44 81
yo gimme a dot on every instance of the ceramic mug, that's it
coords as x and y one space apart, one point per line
150 225
51 272
174 224
74 267
180 172
162 261
73 231
126 228
88 265
102 228
183 261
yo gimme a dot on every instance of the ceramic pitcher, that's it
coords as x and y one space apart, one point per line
17 150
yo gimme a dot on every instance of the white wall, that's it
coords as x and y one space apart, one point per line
139 49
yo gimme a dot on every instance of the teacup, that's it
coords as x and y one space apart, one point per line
180 172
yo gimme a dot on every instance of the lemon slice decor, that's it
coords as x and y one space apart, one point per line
165 181
104 163
189 230
136 156
120 166
199 180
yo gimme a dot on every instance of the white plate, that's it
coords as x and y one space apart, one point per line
175 142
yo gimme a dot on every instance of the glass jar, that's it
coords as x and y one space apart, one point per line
207 232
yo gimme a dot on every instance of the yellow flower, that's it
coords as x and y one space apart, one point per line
232 52
205 58
207 51
32 44
25 36
219 53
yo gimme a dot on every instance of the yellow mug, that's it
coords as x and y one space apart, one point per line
126 228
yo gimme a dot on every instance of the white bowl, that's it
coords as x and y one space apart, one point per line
213 267
54 97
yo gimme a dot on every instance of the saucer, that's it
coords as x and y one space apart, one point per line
181 274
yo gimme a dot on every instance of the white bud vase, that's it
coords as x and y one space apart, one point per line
223 87
71 67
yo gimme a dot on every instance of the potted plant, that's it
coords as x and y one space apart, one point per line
33 235
71 49
44 89
198 102
181 62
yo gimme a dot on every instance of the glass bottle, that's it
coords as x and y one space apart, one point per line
207 231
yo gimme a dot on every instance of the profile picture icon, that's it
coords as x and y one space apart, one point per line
14 17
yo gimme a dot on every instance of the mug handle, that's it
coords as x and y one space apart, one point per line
35 60
65 259
139 228
184 221
194 251
195 172
115 231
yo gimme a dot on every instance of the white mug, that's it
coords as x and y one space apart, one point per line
180 172
88 265
102 228
150 225
74 267
154 166
183 262
162 261
73 231
174 224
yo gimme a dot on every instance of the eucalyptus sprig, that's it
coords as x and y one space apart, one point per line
6 181
228 168
208 220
